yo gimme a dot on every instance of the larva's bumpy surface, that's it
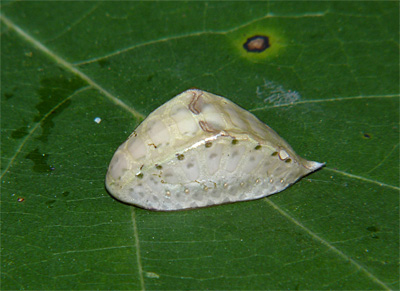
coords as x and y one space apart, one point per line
198 150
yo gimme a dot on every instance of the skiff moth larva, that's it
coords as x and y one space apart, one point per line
200 149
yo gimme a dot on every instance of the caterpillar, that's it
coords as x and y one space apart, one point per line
198 150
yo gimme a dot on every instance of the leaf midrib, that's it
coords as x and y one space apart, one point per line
68 66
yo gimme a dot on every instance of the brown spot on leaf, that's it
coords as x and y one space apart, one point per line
367 135
256 44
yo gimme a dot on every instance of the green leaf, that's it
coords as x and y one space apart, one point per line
328 84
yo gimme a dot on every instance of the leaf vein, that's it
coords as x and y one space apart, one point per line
194 34
327 100
364 179
384 159
92 250
34 128
327 244
68 66
75 23
137 246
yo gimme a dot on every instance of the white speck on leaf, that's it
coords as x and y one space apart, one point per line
97 120
152 275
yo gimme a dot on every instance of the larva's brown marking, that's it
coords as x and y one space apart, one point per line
207 127
152 144
213 152
195 104
133 134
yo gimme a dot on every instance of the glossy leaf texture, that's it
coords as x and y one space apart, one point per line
78 77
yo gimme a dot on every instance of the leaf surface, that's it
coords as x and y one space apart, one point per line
328 84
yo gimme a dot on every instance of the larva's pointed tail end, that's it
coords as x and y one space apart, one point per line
313 166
